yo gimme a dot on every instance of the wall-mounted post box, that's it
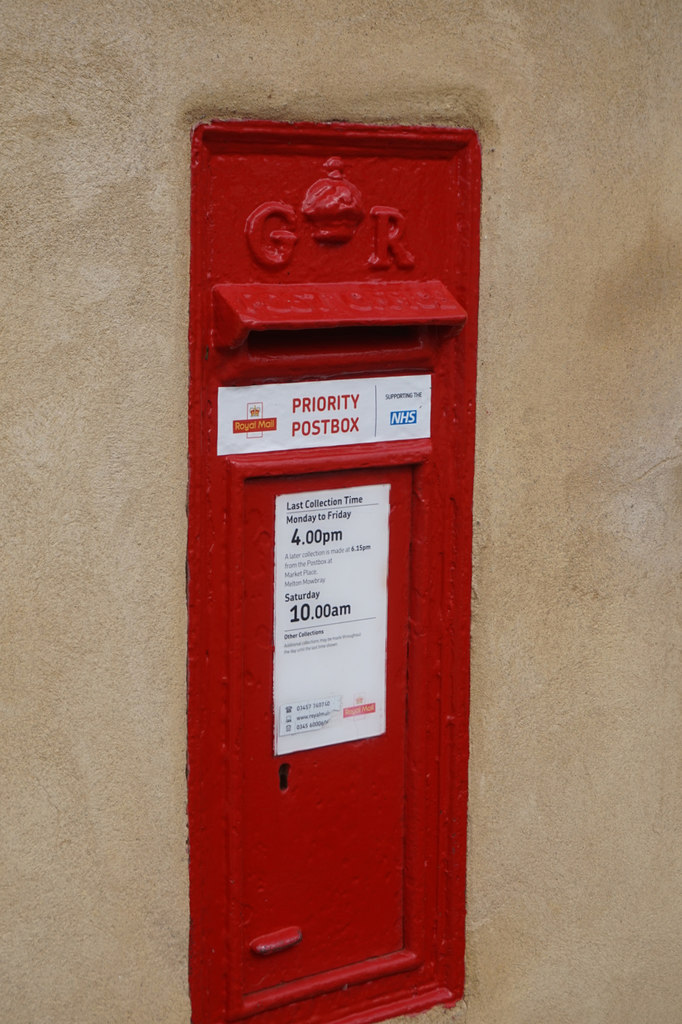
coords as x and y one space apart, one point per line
333 325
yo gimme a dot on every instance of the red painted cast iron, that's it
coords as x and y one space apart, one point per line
329 885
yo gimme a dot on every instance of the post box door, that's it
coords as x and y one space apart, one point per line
322 840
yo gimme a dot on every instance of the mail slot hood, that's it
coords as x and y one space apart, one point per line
240 309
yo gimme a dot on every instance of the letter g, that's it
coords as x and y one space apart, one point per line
271 244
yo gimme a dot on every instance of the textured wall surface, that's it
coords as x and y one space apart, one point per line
575 826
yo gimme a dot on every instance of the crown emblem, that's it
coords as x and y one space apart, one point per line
333 205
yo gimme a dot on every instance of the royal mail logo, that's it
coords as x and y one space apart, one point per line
402 416
359 709
255 423
254 426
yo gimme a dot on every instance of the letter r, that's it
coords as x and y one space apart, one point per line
389 225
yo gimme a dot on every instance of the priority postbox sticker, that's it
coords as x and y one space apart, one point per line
331 569
317 414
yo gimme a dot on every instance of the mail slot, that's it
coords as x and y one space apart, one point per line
334 295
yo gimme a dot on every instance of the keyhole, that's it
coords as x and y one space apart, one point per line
284 777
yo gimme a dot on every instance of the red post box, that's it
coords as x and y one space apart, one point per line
334 292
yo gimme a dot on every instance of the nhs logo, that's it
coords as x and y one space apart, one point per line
403 416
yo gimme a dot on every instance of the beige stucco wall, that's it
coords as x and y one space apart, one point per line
574 872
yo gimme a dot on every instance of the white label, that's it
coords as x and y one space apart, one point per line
331 569
318 414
